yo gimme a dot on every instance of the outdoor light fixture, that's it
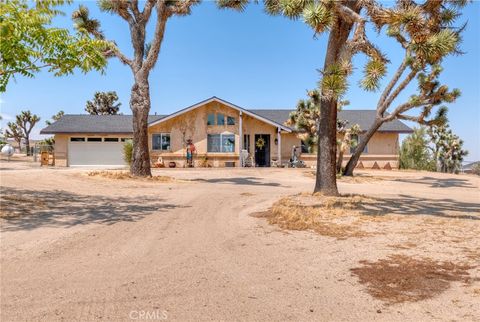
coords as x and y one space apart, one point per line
276 141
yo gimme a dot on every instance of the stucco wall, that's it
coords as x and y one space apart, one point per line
382 149
193 125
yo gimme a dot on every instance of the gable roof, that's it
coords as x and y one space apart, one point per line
364 118
115 124
231 105
122 124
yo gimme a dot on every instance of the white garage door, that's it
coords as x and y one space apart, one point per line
95 153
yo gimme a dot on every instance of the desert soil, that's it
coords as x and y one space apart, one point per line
80 248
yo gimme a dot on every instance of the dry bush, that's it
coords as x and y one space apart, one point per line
401 278
247 194
327 216
125 175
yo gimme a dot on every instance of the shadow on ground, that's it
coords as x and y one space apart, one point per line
413 206
440 182
23 209
248 181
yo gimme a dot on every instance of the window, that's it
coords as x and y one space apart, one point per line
221 143
110 139
94 139
125 139
230 120
161 141
228 143
211 119
77 139
213 143
246 142
355 141
220 119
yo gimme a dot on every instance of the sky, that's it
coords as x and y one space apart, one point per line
250 59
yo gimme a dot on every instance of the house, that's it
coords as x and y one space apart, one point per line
219 130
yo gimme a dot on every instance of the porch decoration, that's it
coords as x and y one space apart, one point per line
260 143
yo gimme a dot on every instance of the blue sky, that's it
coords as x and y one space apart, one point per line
251 59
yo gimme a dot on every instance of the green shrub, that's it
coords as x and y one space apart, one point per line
128 152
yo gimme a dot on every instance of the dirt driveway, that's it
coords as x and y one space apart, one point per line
81 248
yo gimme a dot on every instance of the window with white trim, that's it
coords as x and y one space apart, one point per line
161 141
221 143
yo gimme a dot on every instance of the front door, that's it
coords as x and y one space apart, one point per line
262 150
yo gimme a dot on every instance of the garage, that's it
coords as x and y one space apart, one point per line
95 151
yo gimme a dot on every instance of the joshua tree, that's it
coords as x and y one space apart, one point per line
145 55
425 24
14 132
305 118
426 35
103 103
446 148
339 18
26 121
55 117
346 142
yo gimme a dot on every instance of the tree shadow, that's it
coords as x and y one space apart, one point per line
440 182
415 206
249 181
23 209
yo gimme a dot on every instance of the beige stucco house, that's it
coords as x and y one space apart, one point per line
219 130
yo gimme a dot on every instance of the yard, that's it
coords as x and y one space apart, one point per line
203 245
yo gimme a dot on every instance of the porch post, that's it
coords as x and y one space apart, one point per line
279 147
240 139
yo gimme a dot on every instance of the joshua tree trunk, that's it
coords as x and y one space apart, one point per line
27 144
140 105
352 163
326 178
326 182
340 160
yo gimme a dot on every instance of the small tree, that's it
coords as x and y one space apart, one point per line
128 152
414 152
305 120
55 117
103 103
14 132
346 142
447 148
29 43
26 121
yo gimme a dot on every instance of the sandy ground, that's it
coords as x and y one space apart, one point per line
80 248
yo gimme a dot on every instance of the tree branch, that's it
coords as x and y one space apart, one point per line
147 10
134 7
392 83
397 91
162 16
